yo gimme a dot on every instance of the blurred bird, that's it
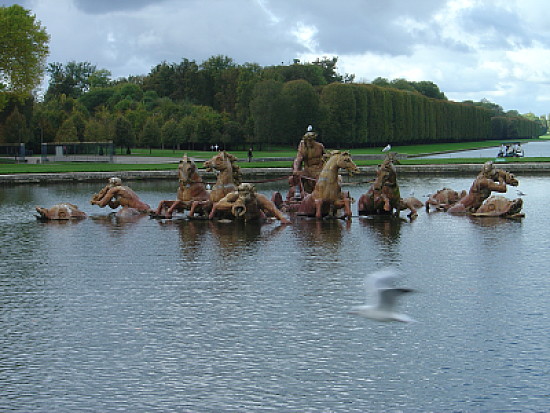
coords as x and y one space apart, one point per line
383 296
387 148
309 128
520 193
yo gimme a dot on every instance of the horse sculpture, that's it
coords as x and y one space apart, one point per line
191 189
327 196
384 197
227 181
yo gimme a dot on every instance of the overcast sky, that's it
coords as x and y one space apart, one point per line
472 49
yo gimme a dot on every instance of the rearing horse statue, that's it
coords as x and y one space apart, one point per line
191 189
384 197
327 196
228 179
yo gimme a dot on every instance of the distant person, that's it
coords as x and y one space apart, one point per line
249 154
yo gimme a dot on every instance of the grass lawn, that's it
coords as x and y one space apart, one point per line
65 167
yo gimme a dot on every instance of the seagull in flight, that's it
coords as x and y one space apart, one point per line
387 148
383 296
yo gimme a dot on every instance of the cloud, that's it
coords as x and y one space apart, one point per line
107 6
473 49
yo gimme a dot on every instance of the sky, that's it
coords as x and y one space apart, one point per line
497 50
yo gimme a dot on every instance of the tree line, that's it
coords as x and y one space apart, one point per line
218 102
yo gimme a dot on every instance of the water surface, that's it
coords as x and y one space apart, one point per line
145 316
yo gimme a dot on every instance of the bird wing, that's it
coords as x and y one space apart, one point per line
388 297
378 281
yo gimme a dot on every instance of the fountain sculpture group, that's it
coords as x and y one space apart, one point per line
315 191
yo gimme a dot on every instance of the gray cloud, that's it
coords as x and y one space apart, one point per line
472 49
107 6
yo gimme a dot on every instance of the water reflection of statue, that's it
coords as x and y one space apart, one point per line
488 180
114 195
308 162
386 231
320 238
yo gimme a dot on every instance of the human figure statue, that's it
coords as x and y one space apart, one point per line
488 180
309 161
114 194
245 203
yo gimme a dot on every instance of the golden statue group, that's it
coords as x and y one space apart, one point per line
315 191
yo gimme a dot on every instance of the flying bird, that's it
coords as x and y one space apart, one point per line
520 193
387 148
383 296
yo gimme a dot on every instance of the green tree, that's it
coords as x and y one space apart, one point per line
266 109
67 132
23 50
150 135
301 103
169 132
338 125
16 129
124 135
74 79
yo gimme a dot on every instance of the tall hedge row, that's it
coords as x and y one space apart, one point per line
368 115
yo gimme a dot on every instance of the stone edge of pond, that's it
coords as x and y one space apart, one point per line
258 173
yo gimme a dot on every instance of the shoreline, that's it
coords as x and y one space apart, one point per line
263 173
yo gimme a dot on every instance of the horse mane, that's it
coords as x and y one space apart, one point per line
328 155
236 169
237 175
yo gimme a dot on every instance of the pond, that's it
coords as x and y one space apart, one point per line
160 315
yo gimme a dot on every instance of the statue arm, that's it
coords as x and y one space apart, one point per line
224 204
100 194
497 186
297 165
106 199
267 206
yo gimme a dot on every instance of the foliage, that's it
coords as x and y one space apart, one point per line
74 79
16 129
23 51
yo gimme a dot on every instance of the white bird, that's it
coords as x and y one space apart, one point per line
309 128
383 296
387 148
520 193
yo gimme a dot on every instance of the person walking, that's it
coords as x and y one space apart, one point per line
250 154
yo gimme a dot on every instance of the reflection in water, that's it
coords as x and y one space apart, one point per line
180 315
318 237
386 229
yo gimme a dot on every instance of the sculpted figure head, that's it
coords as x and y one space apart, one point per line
114 181
309 138
488 170
246 191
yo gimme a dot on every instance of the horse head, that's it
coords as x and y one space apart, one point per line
187 170
385 175
345 162
225 164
